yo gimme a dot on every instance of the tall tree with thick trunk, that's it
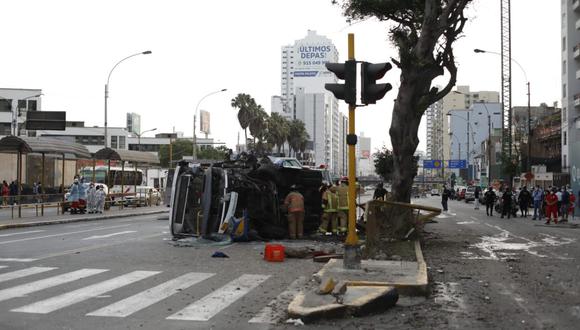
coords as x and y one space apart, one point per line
424 32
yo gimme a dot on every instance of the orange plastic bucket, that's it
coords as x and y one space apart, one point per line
274 253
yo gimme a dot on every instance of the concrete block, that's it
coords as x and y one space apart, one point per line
326 286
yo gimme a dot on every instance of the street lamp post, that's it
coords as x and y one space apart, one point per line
139 137
458 144
488 140
194 153
147 52
529 161
468 125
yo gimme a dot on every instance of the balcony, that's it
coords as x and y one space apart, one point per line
578 24
575 5
578 74
577 100
577 50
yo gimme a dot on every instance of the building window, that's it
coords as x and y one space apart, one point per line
565 138
563 90
564 67
122 142
565 162
32 105
5 129
114 142
563 43
564 115
22 104
5 105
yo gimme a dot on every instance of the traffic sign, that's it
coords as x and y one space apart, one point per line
432 163
458 163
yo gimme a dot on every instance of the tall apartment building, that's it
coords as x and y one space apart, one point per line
434 116
303 97
462 99
570 138
439 140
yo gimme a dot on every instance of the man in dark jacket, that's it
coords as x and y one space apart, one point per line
489 198
444 198
506 199
524 199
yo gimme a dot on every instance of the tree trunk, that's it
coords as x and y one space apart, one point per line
404 127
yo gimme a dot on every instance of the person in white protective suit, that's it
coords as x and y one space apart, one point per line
100 199
91 199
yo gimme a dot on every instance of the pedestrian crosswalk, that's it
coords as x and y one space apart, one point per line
203 309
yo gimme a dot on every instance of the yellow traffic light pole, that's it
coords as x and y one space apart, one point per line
352 252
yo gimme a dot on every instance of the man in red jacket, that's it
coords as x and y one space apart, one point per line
551 207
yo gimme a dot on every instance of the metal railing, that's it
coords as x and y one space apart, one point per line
40 202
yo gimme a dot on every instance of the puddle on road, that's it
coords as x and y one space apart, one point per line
497 247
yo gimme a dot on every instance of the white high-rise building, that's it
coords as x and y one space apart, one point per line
571 91
304 97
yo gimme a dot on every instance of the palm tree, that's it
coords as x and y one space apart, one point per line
297 136
245 104
278 128
258 126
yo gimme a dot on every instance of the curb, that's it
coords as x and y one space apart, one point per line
56 222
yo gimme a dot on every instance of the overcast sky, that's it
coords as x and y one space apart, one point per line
67 48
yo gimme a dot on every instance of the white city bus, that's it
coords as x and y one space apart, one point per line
121 182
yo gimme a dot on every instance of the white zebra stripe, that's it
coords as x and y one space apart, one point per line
24 289
151 296
2 266
210 305
70 298
23 273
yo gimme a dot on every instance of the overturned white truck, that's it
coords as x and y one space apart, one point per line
205 198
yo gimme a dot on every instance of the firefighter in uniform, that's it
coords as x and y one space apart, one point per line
329 201
342 192
295 204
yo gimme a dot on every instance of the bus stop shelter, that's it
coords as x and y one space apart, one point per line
142 158
21 145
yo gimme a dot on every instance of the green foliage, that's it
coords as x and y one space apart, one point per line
183 147
384 164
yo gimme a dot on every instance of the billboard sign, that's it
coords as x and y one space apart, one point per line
46 120
432 163
204 121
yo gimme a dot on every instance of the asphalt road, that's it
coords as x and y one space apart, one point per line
486 273
126 274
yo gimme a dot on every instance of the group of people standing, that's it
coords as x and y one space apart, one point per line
9 191
334 208
85 197
555 203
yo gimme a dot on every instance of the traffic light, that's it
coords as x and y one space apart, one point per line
370 90
347 72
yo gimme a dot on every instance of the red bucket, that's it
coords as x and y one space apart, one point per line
274 253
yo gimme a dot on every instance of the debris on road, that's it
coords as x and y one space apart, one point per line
219 254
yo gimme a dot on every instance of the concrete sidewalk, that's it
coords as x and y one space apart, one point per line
6 223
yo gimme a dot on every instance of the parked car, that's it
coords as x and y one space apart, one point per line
435 192
469 194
